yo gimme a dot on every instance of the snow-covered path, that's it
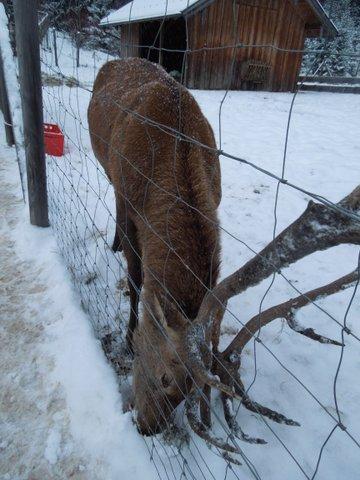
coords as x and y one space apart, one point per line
29 442
35 437
53 424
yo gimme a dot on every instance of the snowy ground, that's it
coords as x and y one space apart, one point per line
78 420
60 415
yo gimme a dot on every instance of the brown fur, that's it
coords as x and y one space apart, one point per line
150 168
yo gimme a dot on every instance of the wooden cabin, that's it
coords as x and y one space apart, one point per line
220 44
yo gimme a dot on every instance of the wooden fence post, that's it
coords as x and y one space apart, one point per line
27 43
5 106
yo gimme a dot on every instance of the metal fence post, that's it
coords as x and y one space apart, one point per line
47 41
55 47
27 42
77 41
5 106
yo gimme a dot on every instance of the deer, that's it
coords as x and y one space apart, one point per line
159 152
167 192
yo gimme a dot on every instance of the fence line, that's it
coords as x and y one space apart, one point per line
181 136
78 200
155 319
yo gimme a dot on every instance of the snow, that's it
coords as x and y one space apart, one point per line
61 411
325 84
10 72
147 9
80 417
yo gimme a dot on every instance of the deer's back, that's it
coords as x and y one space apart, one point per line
115 82
169 186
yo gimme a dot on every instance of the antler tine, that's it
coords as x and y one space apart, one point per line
228 458
310 332
288 310
204 377
260 409
199 352
233 424
200 429
205 404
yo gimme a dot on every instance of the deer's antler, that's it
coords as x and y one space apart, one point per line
320 227
287 310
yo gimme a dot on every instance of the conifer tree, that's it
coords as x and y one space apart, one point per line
346 16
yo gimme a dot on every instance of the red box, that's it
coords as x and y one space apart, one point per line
54 140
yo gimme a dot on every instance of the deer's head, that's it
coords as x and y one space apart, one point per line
161 377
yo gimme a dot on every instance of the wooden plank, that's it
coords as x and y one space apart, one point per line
208 42
277 56
260 22
294 41
190 58
222 55
202 73
213 41
130 40
194 57
231 38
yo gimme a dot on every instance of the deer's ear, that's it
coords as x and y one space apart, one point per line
158 311
171 319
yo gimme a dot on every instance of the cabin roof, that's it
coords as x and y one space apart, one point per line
140 10
143 10
326 22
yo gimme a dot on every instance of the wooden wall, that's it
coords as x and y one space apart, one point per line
130 39
249 22
225 23
290 34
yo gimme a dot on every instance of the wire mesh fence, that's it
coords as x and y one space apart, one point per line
184 352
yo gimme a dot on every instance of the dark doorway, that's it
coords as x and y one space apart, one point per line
164 43
150 40
174 44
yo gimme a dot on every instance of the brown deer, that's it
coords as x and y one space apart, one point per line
167 192
158 151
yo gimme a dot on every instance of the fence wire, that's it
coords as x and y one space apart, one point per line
83 217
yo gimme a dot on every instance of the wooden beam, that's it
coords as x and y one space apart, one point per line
27 42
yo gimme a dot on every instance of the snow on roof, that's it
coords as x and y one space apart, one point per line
146 9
